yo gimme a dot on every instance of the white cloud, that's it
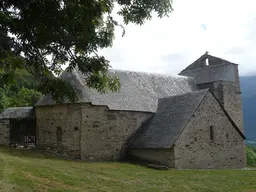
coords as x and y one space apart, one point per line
226 29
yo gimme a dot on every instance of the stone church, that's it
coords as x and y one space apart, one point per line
193 120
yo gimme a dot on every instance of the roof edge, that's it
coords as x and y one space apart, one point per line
92 104
185 124
8 112
229 118
138 131
206 91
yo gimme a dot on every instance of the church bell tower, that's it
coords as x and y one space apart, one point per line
222 78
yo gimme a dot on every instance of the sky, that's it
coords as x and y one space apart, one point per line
224 28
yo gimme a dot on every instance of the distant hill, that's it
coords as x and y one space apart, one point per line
21 93
248 88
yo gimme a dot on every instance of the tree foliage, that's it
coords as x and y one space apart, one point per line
22 93
43 35
24 97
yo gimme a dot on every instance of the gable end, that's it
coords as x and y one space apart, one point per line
165 126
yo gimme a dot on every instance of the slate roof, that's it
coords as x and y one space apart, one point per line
17 112
164 127
139 91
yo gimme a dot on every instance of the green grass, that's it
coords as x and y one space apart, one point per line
26 170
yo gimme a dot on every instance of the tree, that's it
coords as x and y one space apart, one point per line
4 99
24 97
70 32
20 94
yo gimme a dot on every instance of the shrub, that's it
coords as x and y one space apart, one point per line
251 155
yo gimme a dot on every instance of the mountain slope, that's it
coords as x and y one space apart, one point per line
248 88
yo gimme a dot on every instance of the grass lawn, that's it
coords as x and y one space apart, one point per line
24 170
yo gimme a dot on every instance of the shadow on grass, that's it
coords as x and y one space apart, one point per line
40 154
29 153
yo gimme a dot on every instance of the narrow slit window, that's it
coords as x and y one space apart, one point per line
211 133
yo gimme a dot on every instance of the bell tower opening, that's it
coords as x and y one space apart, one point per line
206 61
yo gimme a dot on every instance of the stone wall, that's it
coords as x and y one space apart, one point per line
233 103
229 95
156 156
59 129
233 100
4 132
85 131
194 147
227 90
105 133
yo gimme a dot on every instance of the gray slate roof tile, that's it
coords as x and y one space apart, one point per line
139 91
17 112
163 128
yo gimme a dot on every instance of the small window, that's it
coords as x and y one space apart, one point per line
211 133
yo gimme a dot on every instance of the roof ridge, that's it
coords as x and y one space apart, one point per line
148 73
131 71
183 94
26 107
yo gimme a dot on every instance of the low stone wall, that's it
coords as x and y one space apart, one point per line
156 156
4 132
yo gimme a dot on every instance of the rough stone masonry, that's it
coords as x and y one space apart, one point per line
193 120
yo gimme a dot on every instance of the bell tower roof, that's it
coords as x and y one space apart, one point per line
208 68
206 60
